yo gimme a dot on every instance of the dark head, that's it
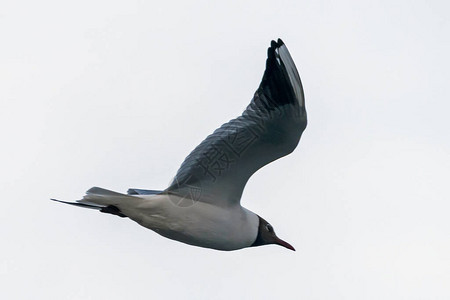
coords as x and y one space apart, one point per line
266 235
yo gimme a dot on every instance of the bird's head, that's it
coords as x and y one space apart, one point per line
266 235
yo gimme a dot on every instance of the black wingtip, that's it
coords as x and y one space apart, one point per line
53 199
110 209
276 44
281 81
77 204
273 47
271 52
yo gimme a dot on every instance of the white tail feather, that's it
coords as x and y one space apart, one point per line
105 197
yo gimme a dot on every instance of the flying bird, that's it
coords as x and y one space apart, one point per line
201 206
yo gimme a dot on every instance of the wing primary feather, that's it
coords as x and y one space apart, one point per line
269 128
85 205
108 209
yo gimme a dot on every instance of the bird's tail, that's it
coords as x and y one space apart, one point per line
105 201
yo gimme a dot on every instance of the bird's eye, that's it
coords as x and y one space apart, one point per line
269 228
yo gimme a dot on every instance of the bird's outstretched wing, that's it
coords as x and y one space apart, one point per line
271 126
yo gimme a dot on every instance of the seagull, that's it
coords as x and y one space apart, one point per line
201 206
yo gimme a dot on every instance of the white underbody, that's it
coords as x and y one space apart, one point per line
200 224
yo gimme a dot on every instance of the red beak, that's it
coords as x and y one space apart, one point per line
284 244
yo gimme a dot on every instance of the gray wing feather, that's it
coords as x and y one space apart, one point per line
271 126
133 191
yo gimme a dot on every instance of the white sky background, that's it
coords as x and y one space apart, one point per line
116 93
